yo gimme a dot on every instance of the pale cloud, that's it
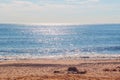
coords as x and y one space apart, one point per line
19 5
81 1
43 3
67 2
72 11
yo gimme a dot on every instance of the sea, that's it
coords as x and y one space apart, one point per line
34 41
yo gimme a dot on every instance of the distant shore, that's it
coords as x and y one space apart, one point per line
57 69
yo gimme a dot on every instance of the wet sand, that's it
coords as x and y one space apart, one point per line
57 69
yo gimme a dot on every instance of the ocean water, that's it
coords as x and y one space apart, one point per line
19 41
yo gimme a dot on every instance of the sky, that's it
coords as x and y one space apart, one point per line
60 11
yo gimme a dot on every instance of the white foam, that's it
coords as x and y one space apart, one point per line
63 56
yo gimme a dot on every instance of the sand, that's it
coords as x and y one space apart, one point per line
57 69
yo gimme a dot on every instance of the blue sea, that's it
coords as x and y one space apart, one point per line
26 41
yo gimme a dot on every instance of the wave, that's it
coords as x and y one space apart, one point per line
59 53
57 50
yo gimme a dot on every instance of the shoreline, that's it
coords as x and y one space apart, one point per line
44 69
111 57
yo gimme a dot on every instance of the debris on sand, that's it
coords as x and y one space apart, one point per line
117 69
56 71
106 69
71 70
113 70
74 70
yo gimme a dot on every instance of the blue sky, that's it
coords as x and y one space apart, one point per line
60 11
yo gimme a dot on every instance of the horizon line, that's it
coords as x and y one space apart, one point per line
59 23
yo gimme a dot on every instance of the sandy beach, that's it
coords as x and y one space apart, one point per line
57 69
